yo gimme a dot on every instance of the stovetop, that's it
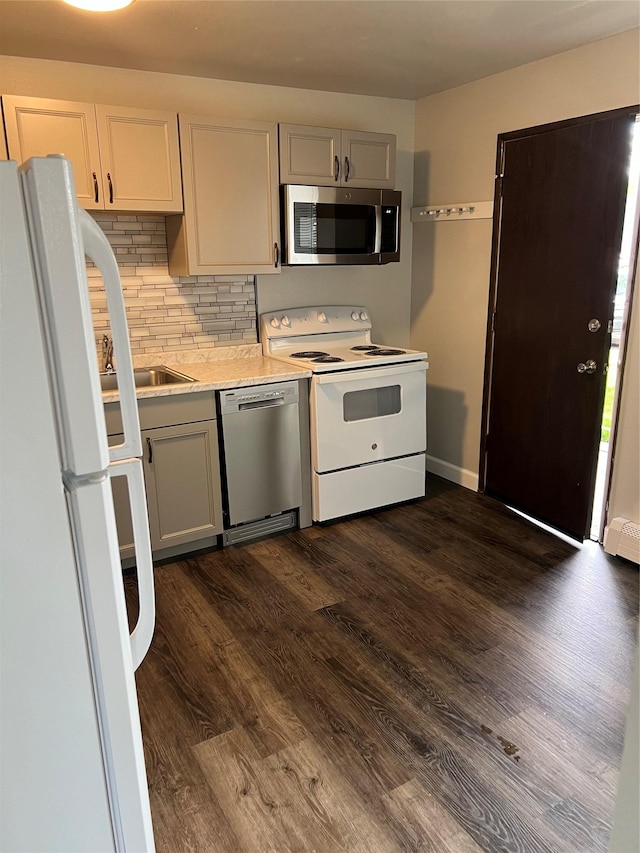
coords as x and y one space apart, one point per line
328 338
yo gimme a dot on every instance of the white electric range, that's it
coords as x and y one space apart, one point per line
367 406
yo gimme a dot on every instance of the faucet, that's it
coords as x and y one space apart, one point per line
107 355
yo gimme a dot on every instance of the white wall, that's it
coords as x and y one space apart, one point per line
455 147
385 290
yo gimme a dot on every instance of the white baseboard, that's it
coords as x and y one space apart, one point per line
454 473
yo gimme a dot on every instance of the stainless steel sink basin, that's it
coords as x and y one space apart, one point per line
146 377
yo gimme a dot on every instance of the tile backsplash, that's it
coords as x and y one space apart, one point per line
167 313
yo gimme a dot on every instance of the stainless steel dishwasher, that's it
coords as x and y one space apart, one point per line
262 481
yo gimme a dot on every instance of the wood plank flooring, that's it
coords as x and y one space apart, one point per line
440 676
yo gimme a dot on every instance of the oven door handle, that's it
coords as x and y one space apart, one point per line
383 371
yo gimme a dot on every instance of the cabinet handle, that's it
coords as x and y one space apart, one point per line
110 188
276 255
347 169
336 170
95 188
150 449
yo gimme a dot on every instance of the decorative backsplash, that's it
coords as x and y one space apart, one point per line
166 313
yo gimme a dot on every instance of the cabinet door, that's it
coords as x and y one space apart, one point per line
310 155
368 159
37 127
182 476
231 222
140 159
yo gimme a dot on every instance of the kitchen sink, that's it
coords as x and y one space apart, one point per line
146 377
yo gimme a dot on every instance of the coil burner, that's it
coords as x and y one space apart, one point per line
329 339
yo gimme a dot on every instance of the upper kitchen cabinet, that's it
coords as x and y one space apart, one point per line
230 181
140 159
328 156
36 127
123 158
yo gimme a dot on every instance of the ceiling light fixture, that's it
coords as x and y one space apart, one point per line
99 5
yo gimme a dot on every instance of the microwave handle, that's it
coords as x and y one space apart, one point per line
377 245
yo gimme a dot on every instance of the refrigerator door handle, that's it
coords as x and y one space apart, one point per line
97 248
142 634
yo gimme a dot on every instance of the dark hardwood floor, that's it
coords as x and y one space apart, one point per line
439 676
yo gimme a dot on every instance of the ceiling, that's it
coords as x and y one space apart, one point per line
391 48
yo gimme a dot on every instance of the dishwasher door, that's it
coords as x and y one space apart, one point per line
261 451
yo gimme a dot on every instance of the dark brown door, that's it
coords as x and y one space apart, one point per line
558 227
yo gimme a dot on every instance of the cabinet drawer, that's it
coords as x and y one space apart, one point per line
165 411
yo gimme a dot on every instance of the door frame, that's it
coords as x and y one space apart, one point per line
502 139
622 360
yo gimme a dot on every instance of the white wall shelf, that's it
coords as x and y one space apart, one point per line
453 212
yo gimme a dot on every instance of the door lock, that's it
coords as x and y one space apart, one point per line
587 366
593 325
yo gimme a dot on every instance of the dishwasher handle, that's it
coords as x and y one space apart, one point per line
261 404
258 397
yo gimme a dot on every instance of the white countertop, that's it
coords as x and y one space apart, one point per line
213 369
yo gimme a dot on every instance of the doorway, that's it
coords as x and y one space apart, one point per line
621 316
559 209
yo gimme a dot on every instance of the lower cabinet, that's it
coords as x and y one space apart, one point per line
182 477
181 471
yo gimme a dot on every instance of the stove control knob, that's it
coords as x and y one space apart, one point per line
322 317
363 315
275 322
285 320
355 315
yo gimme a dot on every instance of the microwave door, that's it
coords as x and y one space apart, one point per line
324 225
355 230
329 233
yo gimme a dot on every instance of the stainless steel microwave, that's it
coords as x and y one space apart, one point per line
336 225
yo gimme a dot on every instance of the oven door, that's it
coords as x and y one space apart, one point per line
362 416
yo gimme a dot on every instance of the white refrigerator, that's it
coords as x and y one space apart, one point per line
72 774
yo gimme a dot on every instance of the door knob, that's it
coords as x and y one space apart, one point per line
587 366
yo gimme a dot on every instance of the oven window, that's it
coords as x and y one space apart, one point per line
371 403
334 229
